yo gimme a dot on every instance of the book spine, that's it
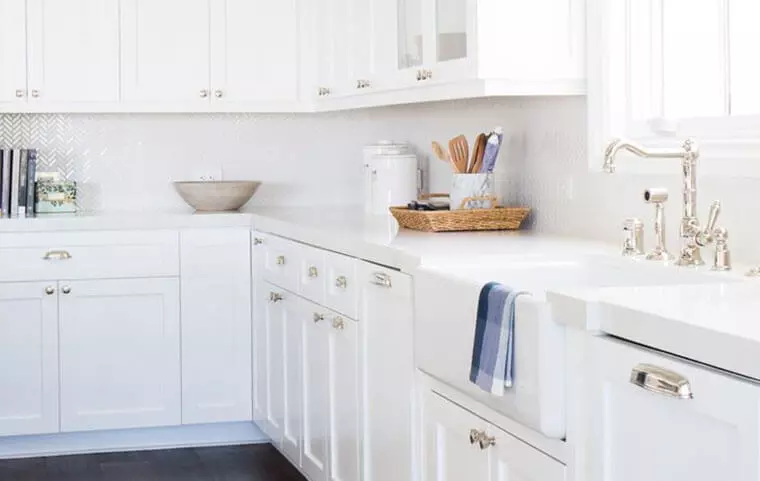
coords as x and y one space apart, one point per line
22 182
31 183
15 180
5 180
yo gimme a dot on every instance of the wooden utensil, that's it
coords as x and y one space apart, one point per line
460 153
441 154
478 153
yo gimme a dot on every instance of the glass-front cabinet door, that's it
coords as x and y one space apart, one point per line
411 36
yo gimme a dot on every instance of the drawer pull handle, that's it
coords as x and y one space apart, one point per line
339 323
381 279
318 317
341 282
280 260
275 297
661 381
57 256
313 272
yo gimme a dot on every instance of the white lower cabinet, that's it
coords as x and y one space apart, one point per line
292 336
119 354
459 445
29 358
316 395
654 434
216 325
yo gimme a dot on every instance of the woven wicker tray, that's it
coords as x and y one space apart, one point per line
498 218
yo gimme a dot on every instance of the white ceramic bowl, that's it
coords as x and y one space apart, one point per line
216 196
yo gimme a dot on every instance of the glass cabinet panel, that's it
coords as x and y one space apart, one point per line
410 33
451 29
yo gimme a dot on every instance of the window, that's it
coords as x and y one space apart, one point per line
664 70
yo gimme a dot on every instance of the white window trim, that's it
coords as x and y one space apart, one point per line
730 146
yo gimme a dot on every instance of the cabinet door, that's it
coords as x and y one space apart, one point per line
270 340
254 51
165 51
325 52
260 298
448 451
386 325
292 348
637 434
513 460
119 354
73 50
12 51
344 436
451 45
216 325
411 41
29 356
316 394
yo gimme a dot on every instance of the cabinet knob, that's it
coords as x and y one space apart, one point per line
218 94
428 74
359 84
20 93
66 289
203 93
419 75
341 282
257 241
339 323
35 93
381 279
318 317
486 441
275 297
313 272
50 290
475 436
280 260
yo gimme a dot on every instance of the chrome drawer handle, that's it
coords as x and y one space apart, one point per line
339 323
57 256
275 297
661 381
280 260
341 282
313 272
381 279
318 317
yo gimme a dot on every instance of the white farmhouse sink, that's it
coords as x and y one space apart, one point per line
446 305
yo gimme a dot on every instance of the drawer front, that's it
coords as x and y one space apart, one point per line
280 261
342 285
90 255
637 415
312 274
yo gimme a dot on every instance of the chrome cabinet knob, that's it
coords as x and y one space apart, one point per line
257 241
428 74
339 323
313 272
20 93
275 297
359 84
419 75
50 290
318 317
66 289
35 93
218 94
381 279
474 436
341 282
280 260
486 441
203 93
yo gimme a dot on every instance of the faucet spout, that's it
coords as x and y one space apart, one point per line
640 151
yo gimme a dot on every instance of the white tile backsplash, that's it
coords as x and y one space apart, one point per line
126 162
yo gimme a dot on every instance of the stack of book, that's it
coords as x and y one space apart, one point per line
18 168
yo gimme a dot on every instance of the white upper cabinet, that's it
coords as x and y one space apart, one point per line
119 354
13 87
216 325
410 40
254 52
29 356
73 51
165 51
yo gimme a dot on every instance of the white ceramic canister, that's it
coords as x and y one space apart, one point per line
381 148
478 186
394 181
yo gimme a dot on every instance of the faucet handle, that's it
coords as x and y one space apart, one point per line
712 217
722 253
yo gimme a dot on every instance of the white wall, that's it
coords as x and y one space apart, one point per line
125 162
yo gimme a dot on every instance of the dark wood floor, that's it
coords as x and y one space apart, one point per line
236 463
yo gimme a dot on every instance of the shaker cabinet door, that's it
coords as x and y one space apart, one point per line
73 51
29 358
165 51
119 354
13 88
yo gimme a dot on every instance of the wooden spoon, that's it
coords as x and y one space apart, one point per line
441 154
460 153
477 154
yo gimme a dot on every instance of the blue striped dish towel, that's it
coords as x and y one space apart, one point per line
493 349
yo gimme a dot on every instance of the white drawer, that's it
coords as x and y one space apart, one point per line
632 420
312 274
279 261
88 255
342 293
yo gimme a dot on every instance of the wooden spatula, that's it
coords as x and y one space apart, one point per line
477 154
460 153
441 154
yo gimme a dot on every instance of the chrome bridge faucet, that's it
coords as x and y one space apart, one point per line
693 236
